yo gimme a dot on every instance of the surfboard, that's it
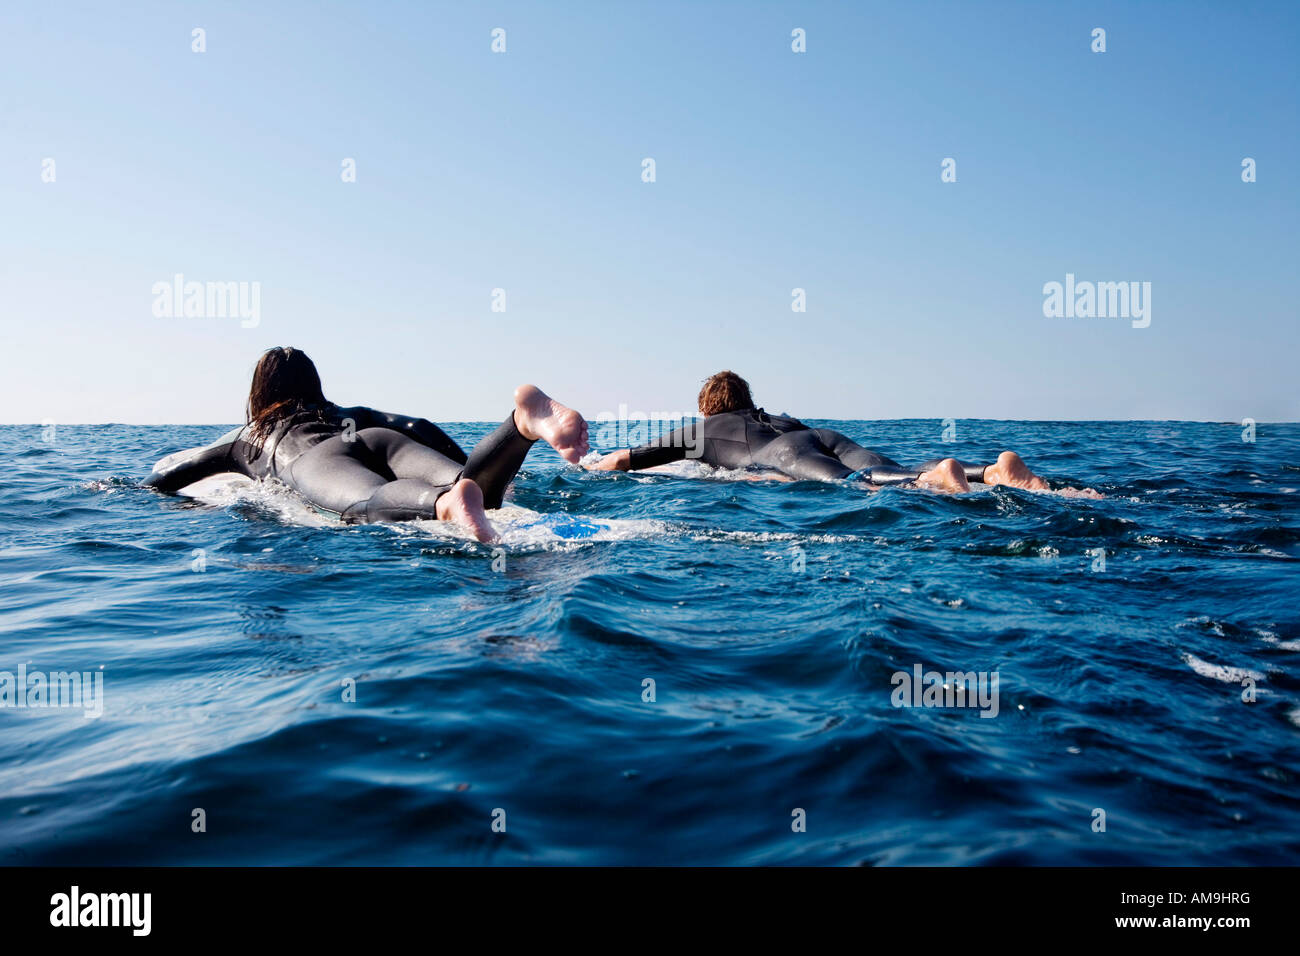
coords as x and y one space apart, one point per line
565 526
215 486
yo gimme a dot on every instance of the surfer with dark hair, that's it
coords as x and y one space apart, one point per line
368 465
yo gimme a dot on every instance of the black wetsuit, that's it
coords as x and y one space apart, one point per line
753 438
363 464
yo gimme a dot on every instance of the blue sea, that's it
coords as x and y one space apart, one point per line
707 674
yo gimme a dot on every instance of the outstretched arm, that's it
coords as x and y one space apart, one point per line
620 460
182 468
421 429
663 450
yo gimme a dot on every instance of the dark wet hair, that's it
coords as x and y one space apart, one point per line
285 385
724 392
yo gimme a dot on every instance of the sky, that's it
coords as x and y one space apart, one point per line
774 170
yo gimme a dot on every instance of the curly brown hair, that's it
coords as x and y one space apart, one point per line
724 392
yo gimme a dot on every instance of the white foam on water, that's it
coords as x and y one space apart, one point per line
228 489
518 527
525 529
1090 493
1271 638
1230 675
771 537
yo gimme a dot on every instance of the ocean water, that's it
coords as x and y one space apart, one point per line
1147 648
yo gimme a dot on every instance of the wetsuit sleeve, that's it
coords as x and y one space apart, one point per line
663 450
182 468
421 429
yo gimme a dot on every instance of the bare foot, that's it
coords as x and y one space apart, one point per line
1010 470
463 504
537 415
947 476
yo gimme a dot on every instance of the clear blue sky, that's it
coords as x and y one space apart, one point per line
775 170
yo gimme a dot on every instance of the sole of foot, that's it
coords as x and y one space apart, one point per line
537 415
1010 470
947 476
463 505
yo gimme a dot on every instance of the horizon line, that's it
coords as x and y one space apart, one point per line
931 418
